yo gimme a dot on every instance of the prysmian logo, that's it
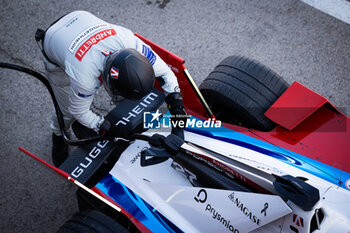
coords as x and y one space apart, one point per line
156 120
201 197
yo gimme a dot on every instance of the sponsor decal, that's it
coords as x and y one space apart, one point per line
84 95
136 157
270 169
259 165
220 167
266 205
217 216
185 172
105 53
147 52
71 22
299 221
114 72
165 121
173 68
138 109
201 197
245 209
83 35
347 184
89 158
86 46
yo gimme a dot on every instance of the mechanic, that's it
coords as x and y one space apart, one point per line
81 52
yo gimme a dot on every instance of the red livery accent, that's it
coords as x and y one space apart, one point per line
176 64
59 171
135 221
317 130
294 106
85 47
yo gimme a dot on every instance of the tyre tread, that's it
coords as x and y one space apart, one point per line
91 221
250 87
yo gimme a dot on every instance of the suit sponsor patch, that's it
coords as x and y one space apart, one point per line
86 46
84 34
114 73
84 95
105 53
147 52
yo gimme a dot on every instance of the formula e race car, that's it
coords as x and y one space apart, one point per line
257 155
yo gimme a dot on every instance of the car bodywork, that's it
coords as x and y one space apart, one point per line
310 141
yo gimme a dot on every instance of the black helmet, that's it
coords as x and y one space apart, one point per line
129 74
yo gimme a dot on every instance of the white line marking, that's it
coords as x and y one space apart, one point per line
339 9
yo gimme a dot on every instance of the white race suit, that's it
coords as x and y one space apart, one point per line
78 44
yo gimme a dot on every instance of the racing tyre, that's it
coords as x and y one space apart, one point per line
88 202
240 90
91 222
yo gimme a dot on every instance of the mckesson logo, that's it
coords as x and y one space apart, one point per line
136 111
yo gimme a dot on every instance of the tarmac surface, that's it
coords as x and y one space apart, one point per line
297 41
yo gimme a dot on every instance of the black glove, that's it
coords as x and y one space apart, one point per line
177 109
110 131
